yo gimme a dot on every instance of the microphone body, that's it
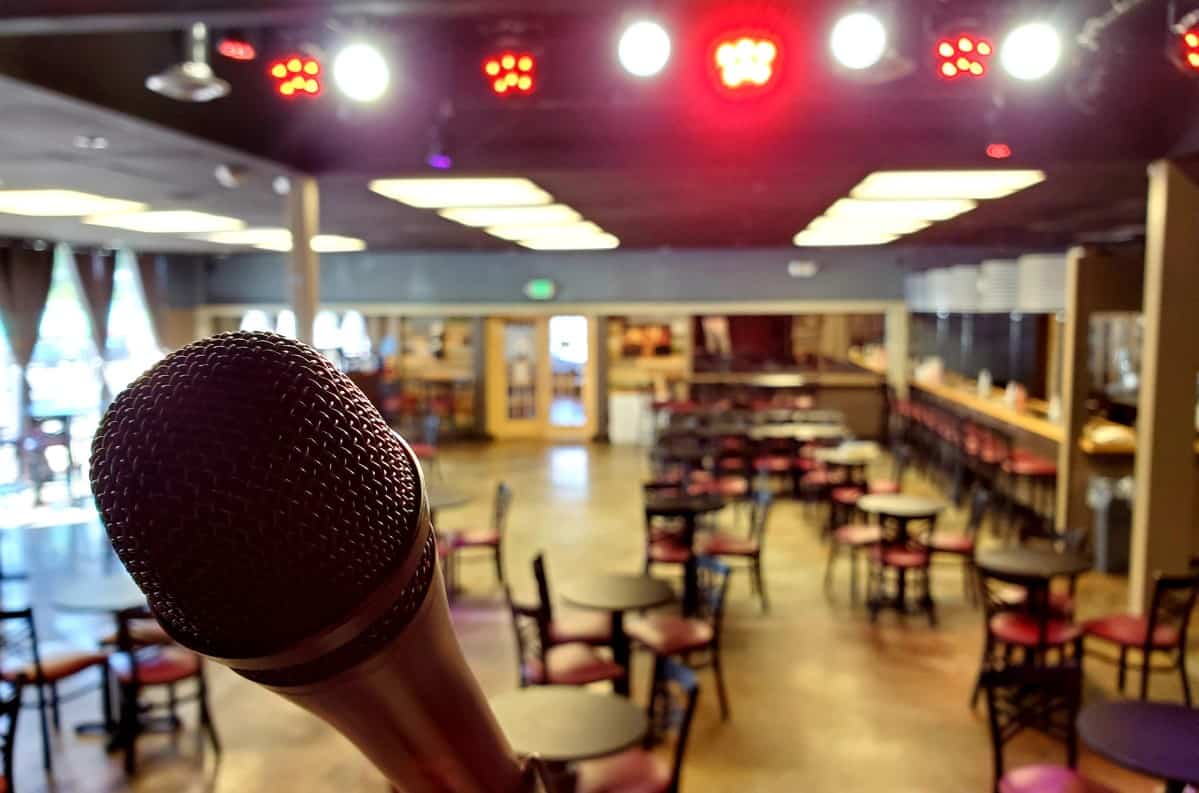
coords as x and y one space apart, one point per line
278 526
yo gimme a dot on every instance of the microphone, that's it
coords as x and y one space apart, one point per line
278 526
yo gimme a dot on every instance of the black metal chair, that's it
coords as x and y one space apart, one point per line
749 548
672 708
1047 699
138 667
589 627
541 662
10 710
490 539
23 659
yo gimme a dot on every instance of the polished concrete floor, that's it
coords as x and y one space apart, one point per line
822 700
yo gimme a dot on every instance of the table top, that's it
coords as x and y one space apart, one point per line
616 592
901 506
800 432
1157 739
566 724
667 504
442 497
848 454
1037 563
110 593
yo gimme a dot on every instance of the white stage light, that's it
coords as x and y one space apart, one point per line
644 48
361 72
858 40
1030 51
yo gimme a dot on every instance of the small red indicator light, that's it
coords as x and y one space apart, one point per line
999 151
510 73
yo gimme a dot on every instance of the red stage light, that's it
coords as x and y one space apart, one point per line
745 63
510 73
236 49
999 151
1189 53
296 75
964 56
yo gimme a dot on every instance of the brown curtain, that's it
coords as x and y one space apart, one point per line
24 285
96 273
151 268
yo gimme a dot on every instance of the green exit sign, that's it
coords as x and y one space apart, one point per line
540 289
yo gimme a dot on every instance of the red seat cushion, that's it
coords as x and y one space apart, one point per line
1030 466
1017 596
821 477
883 486
773 463
477 538
632 771
1047 778
952 543
1131 630
1014 628
169 665
906 558
858 534
670 634
669 551
425 451
721 544
846 496
731 464
590 627
57 666
732 486
572 665
807 464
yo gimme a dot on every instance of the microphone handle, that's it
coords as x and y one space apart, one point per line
418 714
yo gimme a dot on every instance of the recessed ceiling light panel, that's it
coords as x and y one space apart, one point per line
898 209
875 225
462 192
841 237
946 184
61 203
520 233
181 221
480 217
581 242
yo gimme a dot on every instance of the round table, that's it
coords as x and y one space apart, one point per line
111 594
901 510
689 508
617 594
853 458
799 432
1032 564
1153 738
566 724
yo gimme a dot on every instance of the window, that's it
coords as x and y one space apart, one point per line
255 320
131 347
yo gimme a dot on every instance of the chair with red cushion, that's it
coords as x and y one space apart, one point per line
25 658
588 627
426 448
671 709
962 544
138 667
1008 630
542 662
1162 632
694 639
902 456
1046 698
849 538
10 710
490 539
747 548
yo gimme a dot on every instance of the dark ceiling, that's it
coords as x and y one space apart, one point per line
661 162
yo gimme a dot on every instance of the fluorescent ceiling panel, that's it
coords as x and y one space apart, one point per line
167 222
479 217
454 192
251 236
321 243
62 203
581 242
945 184
522 233
875 225
841 237
930 209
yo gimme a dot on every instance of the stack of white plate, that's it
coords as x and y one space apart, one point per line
998 285
963 288
1042 282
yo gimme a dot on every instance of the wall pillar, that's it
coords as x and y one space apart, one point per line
304 266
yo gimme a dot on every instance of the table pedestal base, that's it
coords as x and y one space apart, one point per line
878 599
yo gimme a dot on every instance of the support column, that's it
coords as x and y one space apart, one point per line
304 266
895 342
1163 523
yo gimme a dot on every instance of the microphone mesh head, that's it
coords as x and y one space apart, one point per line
253 492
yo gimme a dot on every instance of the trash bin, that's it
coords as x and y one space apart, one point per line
1111 502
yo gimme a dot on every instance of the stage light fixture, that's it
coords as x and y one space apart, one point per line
999 151
858 40
1186 52
361 72
1031 51
510 73
644 48
296 75
745 62
965 55
236 49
